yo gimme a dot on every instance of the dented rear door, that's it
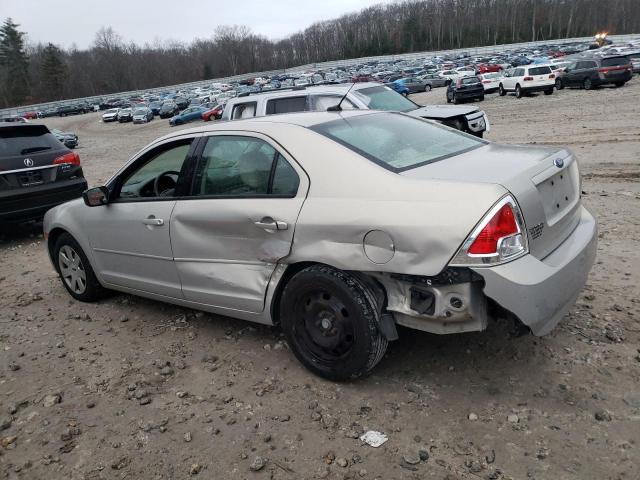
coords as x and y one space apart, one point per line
239 222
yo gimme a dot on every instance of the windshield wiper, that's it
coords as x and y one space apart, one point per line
24 151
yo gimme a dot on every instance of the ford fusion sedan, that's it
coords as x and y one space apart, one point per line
261 219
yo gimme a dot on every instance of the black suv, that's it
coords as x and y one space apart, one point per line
465 88
73 109
591 72
37 172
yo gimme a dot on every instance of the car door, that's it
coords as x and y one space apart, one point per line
239 221
130 235
574 75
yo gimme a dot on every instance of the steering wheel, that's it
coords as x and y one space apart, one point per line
156 182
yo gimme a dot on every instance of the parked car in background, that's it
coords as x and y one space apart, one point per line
68 139
187 115
32 115
37 172
155 107
488 68
214 113
142 115
267 224
110 115
465 89
125 115
14 119
634 58
528 79
435 80
490 81
181 102
49 112
76 109
168 109
594 71
415 84
363 96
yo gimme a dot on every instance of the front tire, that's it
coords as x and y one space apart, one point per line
549 92
455 99
330 320
75 270
559 85
587 84
619 84
427 88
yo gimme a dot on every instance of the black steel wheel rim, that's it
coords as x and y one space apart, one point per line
323 326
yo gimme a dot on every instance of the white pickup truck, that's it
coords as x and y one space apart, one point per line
366 95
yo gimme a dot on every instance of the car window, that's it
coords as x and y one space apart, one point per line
286 105
383 98
320 103
243 110
397 142
615 61
469 80
244 167
539 70
519 72
139 183
16 141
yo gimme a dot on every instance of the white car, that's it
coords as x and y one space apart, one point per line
451 75
466 71
526 79
110 115
490 81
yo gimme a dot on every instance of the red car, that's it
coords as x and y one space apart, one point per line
488 68
30 115
215 113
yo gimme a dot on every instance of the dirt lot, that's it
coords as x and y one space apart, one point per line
130 388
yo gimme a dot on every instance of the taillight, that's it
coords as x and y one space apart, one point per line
499 237
486 81
552 75
527 79
70 158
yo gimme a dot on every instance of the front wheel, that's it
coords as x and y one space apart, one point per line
619 84
427 88
549 92
559 85
75 270
587 84
455 99
330 320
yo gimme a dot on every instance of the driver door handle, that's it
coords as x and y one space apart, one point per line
152 220
269 223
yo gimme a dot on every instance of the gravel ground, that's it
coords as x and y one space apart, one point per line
131 388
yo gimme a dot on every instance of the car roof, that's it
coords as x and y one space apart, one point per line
301 119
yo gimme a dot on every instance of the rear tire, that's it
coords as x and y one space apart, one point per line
518 91
501 91
427 88
619 84
586 83
559 85
330 320
455 99
75 271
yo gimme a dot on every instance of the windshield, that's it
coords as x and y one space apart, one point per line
140 111
383 98
397 142
469 80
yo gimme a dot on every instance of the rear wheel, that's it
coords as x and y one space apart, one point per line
518 91
455 99
587 84
75 270
427 88
481 98
559 84
501 91
549 92
330 320
619 84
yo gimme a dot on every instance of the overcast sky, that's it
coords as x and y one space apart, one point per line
65 22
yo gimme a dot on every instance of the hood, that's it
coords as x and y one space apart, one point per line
441 112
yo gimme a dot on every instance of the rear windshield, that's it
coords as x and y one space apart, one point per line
615 61
383 98
539 70
469 80
397 142
23 141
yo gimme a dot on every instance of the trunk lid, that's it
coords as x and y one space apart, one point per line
545 182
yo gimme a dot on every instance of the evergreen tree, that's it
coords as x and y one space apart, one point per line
14 64
53 71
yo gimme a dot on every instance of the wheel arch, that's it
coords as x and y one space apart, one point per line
53 237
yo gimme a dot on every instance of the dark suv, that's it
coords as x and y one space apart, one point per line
465 88
591 72
37 172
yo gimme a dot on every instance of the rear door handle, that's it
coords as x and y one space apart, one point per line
152 220
269 223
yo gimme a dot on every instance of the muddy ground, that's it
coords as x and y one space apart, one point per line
134 389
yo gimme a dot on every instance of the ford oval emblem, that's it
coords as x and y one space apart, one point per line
28 162
558 162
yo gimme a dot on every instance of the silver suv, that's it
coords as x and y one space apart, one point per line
367 95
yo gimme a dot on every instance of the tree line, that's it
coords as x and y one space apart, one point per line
32 73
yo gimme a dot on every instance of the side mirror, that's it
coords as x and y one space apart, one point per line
94 197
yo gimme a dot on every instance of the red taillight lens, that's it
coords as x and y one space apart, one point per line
552 75
71 158
503 224
486 81
527 79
